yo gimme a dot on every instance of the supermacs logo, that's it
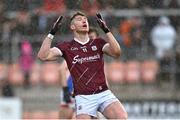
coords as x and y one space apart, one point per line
85 59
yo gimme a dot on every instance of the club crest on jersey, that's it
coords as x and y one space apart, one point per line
94 48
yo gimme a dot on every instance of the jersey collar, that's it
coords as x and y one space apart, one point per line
83 43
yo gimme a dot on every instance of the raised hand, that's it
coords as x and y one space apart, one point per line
102 23
56 25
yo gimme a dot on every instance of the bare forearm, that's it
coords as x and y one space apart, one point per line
114 45
45 53
45 49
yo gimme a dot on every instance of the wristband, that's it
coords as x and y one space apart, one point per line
106 30
50 36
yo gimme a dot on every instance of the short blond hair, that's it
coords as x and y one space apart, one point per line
76 14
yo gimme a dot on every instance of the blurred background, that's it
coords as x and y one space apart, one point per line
146 78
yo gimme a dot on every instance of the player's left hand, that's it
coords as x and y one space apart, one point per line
102 23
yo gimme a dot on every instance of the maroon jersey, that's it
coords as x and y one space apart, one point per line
86 65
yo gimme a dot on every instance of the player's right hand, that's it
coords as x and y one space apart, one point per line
56 25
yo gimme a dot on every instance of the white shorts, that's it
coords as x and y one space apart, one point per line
90 104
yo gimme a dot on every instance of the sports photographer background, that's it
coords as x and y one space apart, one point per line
146 77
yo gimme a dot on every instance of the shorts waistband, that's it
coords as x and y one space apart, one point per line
100 89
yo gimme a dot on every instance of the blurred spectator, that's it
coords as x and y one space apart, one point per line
171 3
7 30
26 60
117 4
34 4
124 29
5 85
132 4
2 20
23 21
166 66
110 18
90 6
175 21
131 33
14 5
151 3
49 9
54 6
73 4
163 36
7 89
136 31
178 66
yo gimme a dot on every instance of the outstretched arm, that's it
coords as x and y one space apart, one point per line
112 47
46 52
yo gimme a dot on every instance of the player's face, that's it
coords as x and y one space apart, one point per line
80 24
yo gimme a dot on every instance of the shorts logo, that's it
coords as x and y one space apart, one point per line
100 87
94 48
79 107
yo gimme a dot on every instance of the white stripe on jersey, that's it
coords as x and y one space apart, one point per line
91 78
83 73
105 46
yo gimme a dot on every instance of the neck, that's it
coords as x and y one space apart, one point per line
83 37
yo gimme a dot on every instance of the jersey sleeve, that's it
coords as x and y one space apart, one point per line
61 47
102 43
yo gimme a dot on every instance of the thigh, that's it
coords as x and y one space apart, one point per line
65 112
115 110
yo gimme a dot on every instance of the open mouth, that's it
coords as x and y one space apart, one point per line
84 25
